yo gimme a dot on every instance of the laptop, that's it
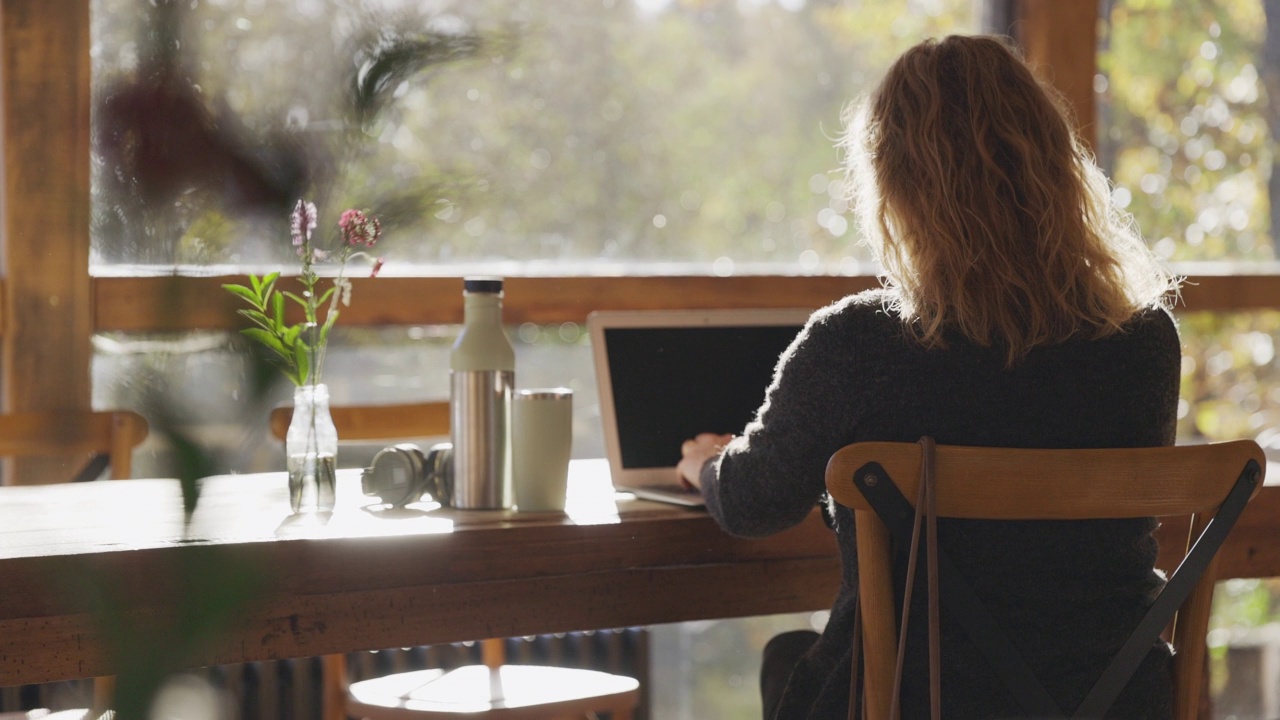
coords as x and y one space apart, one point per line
667 375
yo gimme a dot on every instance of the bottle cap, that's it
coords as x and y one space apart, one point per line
482 285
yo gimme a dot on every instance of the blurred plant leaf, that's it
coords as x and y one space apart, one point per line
211 586
394 59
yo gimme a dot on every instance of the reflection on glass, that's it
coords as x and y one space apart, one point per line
536 137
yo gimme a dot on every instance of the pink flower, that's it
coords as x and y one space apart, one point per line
377 265
302 221
359 229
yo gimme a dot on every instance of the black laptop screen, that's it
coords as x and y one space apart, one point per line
671 383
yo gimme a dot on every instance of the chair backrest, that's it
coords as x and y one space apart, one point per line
377 422
108 434
1020 484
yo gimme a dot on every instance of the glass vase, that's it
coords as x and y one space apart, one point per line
311 449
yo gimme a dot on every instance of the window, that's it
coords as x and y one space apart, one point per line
584 137
1186 127
634 137
598 136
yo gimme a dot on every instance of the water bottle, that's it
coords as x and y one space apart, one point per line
482 375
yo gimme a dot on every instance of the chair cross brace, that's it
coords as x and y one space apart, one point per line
966 609
93 469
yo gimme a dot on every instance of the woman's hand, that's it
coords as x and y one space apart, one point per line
695 453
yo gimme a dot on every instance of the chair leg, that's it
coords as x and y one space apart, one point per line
104 690
493 652
333 687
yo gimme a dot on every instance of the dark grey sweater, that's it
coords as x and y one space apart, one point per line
1067 593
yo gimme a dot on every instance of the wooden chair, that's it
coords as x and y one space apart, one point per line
492 689
1210 482
110 436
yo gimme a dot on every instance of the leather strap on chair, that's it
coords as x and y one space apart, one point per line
912 555
963 605
853 660
926 502
929 481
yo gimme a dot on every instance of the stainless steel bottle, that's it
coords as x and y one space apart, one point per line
482 375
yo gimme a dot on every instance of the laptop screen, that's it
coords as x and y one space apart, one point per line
670 383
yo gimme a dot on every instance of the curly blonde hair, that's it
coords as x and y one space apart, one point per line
988 214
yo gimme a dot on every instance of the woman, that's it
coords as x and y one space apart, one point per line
1020 309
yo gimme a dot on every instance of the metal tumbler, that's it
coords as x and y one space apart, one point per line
480 418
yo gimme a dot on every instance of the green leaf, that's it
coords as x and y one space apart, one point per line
257 284
269 340
268 286
330 320
279 313
302 357
291 335
325 297
244 293
258 319
296 299
324 329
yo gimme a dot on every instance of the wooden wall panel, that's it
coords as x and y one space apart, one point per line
45 202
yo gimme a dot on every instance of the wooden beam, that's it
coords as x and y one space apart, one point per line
143 304
1229 293
1060 41
139 304
44 107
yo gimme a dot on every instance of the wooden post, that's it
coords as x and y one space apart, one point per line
1060 41
44 107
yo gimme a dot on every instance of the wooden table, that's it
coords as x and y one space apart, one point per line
369 580
423 575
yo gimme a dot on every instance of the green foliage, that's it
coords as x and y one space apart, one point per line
1244 603
1185 120
211 586
1229 376
291 345
298 348
1239 603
